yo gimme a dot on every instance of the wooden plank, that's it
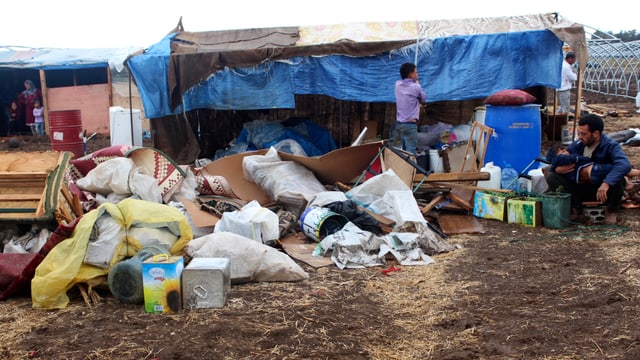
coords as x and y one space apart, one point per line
454 176
461 201
73 201
459 224
436 199
461 186
403 169
300 248
20 197
23 174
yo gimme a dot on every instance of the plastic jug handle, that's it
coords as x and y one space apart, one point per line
160 257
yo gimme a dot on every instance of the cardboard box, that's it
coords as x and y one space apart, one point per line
340 165
206 283
525 211
490 205
161 275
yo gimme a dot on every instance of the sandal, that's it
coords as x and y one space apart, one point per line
630 204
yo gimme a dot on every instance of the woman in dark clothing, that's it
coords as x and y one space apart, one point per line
25 100
15 126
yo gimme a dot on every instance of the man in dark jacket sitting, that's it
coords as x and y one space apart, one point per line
601 149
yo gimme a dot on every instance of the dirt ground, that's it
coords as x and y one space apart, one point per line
510 292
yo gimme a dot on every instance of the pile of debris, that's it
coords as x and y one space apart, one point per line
329 209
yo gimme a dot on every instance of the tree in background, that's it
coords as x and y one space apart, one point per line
625 36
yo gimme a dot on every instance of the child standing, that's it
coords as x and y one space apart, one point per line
14 119
37 128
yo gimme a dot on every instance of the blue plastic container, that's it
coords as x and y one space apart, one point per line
509 178
517 136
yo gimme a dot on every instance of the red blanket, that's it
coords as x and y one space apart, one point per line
17 270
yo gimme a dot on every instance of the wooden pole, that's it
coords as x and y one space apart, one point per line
576 116
45 103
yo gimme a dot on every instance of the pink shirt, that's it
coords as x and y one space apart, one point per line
409 95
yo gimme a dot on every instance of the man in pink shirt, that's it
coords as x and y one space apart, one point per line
409 95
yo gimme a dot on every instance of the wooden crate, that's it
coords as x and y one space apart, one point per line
32 187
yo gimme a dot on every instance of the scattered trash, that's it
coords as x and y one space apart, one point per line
390 269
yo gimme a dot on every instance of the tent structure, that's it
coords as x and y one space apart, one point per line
89 80
12 57
613 66
250 69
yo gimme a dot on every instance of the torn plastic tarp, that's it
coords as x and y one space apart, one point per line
353 247
387 195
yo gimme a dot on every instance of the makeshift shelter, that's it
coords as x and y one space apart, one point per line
89 80
272 68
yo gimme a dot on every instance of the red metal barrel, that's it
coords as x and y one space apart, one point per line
65 128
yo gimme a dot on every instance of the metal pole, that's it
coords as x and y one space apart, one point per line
130 109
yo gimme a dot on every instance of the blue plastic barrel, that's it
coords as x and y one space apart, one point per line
517 135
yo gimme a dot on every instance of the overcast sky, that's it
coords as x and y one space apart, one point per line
140 23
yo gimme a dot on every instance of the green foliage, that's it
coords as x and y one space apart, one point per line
626 36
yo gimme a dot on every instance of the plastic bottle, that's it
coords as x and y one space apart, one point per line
495 176
125 277
509 178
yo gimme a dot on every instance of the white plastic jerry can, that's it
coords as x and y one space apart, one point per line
495 176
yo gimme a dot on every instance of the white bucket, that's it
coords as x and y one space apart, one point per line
317 222
435 162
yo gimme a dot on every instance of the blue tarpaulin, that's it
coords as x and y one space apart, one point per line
450 68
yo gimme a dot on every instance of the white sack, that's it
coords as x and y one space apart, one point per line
374 188
326 197
387 195
249 260
111 176
31 242
106 234
251 221
400 206
278 178
197 231
144 186
147 235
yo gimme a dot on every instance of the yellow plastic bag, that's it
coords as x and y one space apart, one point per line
64 266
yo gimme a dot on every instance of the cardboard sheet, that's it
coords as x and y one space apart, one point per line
459 224
199 217
405 171
300 248
230 167
343 165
